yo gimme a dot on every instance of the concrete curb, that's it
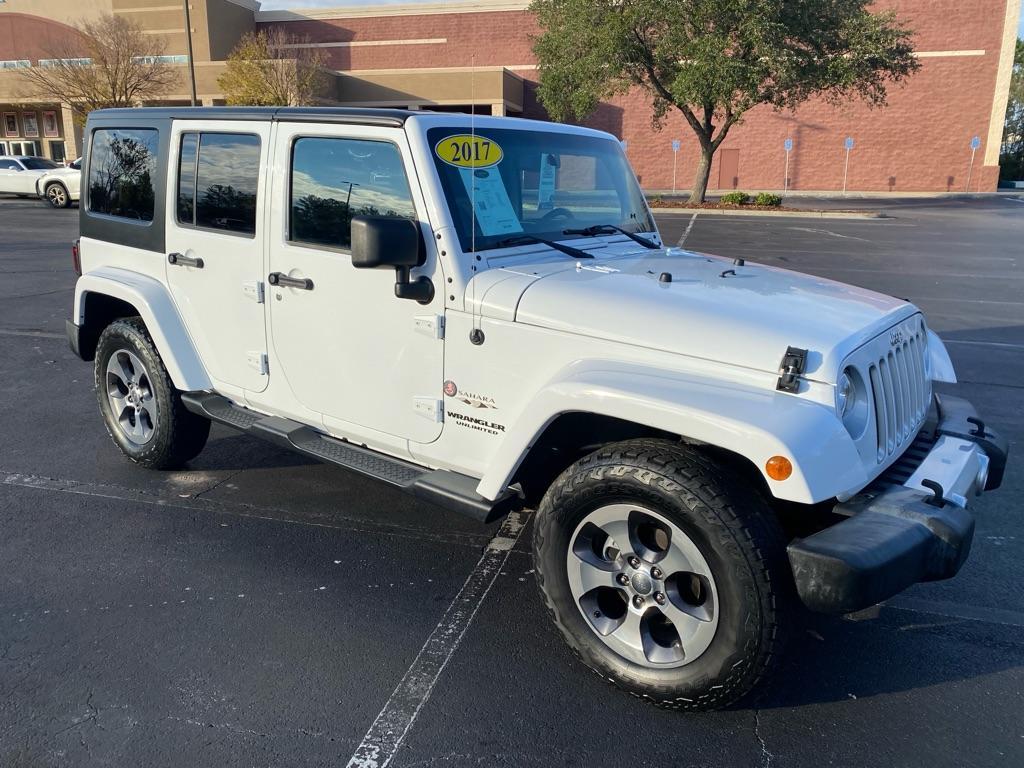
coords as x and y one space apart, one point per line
779 214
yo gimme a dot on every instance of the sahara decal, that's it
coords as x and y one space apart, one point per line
471 399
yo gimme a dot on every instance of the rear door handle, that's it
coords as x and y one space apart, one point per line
180 260
281 280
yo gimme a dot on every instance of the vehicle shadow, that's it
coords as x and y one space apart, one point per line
232 451
886 651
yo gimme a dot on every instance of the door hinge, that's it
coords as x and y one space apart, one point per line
259 362
429 325
429 408
254 290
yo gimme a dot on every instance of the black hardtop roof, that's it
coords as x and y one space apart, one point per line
391 117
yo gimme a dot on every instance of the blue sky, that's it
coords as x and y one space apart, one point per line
272 4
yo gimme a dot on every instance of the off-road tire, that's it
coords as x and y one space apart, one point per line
736 532
179 435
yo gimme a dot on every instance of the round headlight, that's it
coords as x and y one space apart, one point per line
852 401
845 394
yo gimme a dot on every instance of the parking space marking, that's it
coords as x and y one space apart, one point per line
686 234
33 334
957 611
391 726
272 514
998 344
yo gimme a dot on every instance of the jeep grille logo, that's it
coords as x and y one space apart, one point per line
896 338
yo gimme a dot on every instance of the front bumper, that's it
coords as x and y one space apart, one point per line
897 534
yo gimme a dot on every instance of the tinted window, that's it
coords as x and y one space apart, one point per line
218 176
40 164
336 179
187 178
8 165
121 172
227 177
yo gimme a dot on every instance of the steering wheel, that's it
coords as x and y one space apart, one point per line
556 213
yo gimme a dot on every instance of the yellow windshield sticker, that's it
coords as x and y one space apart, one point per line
467 151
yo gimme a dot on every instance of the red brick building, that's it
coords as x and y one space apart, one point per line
920 142
452 55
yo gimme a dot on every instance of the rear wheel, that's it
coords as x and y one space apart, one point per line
57 195
664 573
141 408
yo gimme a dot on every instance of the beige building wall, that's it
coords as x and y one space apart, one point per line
66 11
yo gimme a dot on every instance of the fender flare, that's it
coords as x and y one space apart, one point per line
154 304
754 422
938 359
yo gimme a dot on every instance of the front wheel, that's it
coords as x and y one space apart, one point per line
141 408
664 573
57 195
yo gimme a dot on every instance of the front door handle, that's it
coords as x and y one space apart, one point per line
281 280
180 260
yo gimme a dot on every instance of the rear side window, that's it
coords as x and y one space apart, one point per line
121 171
335 179
218 179
8 165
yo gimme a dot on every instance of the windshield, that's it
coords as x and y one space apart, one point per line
39 164
503 183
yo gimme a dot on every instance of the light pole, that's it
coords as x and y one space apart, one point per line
191 62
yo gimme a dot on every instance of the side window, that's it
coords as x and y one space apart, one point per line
218 179
333 180
7 165
121 172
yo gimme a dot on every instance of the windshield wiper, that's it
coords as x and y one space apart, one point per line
607 229
568 250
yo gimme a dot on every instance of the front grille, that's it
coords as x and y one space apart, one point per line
901 470
900 391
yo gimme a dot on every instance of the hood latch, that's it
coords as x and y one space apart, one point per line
792 366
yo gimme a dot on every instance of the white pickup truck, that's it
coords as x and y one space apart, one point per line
481 312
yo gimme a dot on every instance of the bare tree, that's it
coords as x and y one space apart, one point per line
273 68
111 64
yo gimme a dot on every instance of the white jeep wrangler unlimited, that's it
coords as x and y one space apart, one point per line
480 311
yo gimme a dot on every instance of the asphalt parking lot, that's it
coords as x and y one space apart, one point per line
259 609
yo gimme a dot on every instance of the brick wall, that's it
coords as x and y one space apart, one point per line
919 142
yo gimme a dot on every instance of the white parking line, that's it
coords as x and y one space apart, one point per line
400 711
686 234
33 334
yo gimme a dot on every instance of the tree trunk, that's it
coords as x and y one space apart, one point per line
700 181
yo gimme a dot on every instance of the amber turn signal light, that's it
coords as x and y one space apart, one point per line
778 468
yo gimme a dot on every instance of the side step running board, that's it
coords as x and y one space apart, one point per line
447 489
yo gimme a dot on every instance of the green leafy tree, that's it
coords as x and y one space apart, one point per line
714 60
273 68
1011 160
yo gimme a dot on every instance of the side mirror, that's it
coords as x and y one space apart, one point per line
385 241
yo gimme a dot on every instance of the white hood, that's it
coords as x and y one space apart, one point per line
746 317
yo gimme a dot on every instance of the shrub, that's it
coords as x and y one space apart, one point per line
735 198
768 199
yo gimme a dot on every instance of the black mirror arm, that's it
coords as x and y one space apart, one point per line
421 289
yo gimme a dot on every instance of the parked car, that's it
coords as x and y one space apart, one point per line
482 313
59 186
18 173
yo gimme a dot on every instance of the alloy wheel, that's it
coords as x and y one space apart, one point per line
132 400
57 196
642 585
